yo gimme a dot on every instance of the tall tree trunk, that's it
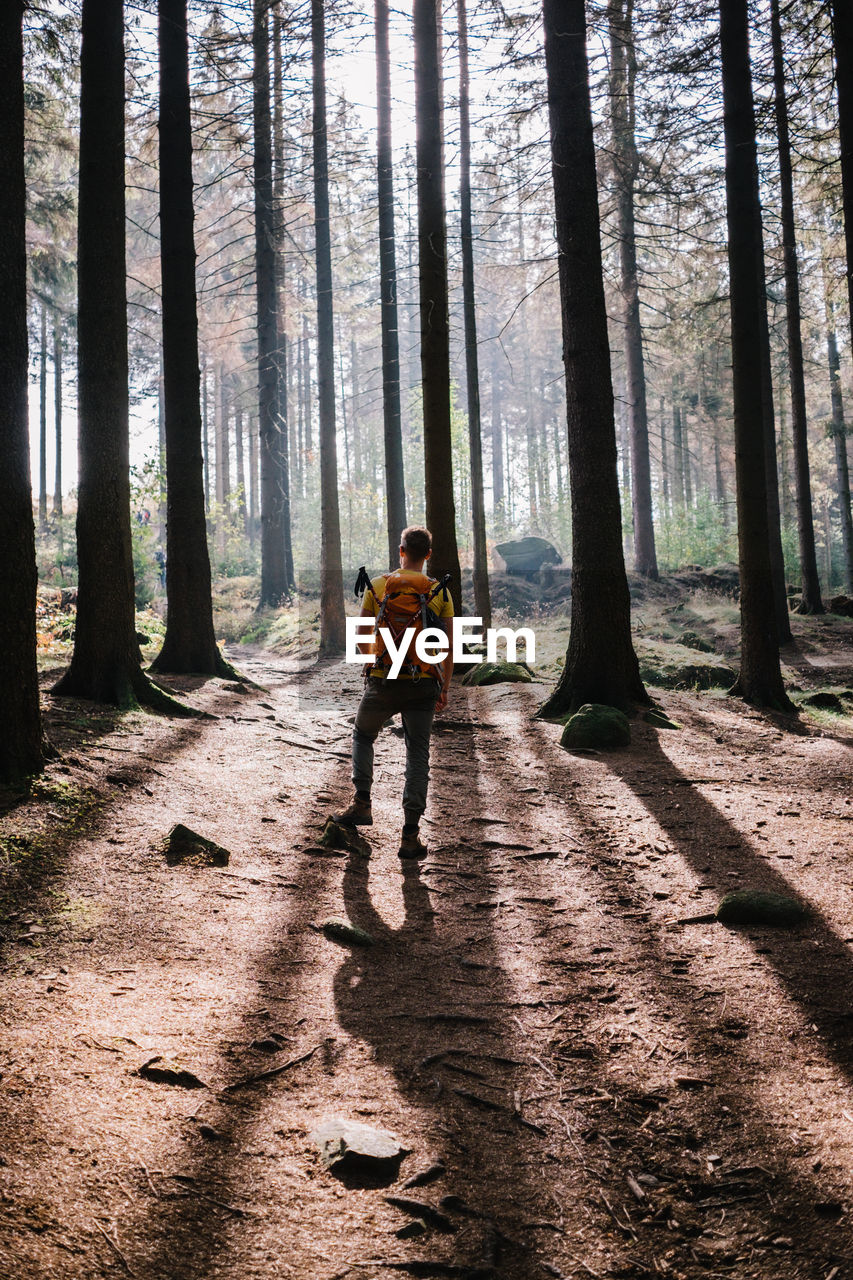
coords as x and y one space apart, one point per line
774 513
283 407
189 643
43 419
224 440
239 447
600 665
254 485
482 601
678 442
497 445
760 678
811 597
686 458
842 33
332 618
105 665
623 62
664 457
274 583
432 281
57 413
839 439
21 742
395 485
205 433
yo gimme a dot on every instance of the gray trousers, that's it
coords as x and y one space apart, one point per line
415 701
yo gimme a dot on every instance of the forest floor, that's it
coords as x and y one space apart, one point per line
606 1090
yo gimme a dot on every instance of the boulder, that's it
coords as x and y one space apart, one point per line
759 906
842 605
497 673
527 555
597 726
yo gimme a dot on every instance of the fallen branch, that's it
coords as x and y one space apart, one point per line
269 1075
116 1250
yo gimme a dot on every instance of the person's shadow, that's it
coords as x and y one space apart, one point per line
377 987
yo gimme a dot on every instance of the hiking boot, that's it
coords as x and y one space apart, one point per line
411 847
358 814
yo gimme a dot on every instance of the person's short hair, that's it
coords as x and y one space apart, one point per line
416 542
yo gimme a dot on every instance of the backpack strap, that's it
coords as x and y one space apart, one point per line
442 586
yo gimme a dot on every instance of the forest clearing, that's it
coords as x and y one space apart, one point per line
596 1088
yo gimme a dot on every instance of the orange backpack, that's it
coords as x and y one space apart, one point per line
404 603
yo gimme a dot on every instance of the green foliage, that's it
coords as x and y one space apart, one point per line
699 535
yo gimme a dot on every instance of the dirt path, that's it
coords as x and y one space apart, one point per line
611 1094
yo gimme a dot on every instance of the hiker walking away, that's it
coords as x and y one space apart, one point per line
406 598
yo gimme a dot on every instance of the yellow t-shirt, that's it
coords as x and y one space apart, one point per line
438 605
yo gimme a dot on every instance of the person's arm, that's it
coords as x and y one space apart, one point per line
447 667
365 643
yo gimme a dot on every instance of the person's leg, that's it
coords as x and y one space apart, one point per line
417 716
373 712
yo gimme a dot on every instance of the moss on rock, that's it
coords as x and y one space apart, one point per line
598 726
498 673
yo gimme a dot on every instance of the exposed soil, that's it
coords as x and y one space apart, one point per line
611 1092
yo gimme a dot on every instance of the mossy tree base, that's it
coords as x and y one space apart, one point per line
128 690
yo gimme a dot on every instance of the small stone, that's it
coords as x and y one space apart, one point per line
346 1145
188 847
411 1230
210 1134
161 1071
759 906
598 727
349 934
268 1045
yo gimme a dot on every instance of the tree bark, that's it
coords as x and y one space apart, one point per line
497 445
205 434
811 597
626 162
432 288
274 583
189 643
21 742
57 413
774 514
105 664
600 665
482 601
839 439
842 37
282 405
43 419
760 678
395 486
332 617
